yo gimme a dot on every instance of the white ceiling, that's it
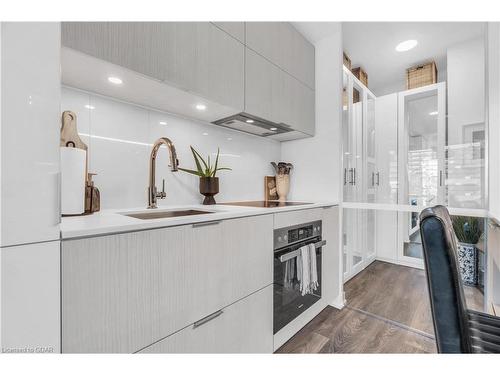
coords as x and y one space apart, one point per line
371 45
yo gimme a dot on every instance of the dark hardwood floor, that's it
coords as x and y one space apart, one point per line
387 311
393 292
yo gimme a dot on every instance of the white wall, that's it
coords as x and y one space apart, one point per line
317 160
465 87
121 158
400 84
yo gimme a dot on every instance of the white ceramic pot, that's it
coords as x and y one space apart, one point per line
282 186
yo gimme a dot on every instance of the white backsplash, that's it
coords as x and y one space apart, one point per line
120 135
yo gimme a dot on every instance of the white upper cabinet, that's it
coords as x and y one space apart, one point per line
29 139
235 29
275 95
264 69
282 44
195 56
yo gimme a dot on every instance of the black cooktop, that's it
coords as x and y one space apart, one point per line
265 204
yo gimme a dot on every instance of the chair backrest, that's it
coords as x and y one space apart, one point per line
449 311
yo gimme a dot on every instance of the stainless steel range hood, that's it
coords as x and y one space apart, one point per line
254 125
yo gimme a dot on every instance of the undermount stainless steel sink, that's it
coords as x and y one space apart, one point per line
165 214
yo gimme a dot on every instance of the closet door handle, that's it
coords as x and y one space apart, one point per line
351 176
354 176
378 178
345 176
440 178
373 178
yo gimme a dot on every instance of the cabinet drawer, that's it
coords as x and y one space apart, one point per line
220 263
243 327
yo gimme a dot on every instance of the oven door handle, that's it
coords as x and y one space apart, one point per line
295 253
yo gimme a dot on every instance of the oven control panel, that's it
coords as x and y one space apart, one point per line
296 233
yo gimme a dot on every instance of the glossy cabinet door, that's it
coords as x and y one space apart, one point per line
195 56
284 46
275 95
243 327
121 293
30 297
30 88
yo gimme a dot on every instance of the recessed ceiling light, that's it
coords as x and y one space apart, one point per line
205 133
250 121
230 139
273 129
433 113
201 107
115 80
163 123
406 45
88 106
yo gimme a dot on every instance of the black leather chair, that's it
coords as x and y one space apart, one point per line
457 329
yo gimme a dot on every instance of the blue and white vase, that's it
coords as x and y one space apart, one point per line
467 260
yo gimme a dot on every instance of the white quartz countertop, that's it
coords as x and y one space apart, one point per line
113 221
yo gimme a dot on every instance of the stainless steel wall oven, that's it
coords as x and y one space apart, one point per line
289 302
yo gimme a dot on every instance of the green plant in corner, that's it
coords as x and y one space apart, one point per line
467 229
204 168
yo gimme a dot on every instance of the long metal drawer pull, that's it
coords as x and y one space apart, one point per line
293 254
204 224
207 318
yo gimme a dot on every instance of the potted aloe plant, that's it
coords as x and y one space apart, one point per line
206 171
468 232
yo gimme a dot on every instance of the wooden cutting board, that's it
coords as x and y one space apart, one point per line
70 137
69 132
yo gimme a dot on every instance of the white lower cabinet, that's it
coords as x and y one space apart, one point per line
246 326
30 298
123 292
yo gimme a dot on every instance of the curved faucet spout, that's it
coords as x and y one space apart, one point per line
153 194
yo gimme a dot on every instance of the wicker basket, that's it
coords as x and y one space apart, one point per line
421 75
361 75
347 61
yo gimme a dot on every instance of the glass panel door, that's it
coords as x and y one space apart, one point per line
371 180
386 127
421 144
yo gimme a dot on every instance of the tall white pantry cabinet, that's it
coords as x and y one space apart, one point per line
29 183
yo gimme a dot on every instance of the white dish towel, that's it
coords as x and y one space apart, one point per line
314 268
307 271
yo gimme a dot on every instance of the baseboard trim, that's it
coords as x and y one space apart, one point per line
339 302
400 262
